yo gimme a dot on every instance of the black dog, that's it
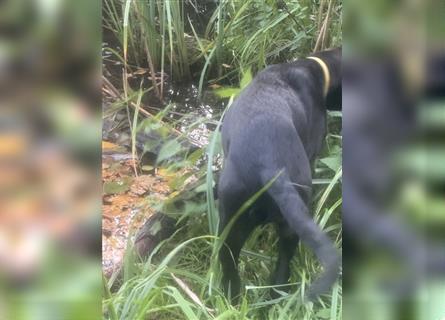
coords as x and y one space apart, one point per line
278 124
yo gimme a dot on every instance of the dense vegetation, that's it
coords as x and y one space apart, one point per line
213 45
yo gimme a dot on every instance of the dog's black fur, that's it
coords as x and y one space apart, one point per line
278 123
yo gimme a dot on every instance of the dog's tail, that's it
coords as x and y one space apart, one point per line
296 213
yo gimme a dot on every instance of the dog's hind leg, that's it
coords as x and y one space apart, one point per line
287 245
230 200
229 254
295 212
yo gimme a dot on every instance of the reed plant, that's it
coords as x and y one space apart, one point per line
237 35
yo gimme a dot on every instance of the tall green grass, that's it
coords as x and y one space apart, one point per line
239 35
151 34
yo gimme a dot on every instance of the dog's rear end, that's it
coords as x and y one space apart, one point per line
278 125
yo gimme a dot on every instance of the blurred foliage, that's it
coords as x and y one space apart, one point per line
49 156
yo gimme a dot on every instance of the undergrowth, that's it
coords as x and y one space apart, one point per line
180 279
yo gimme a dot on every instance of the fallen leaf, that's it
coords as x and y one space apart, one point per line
140 71
142 184
214 86
147 168
111 147
116 187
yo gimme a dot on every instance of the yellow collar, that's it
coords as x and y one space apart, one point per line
327 77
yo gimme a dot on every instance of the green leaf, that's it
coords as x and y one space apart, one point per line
246 79
195 156
201 188
324 313
227 92
117 187
333 162
168 150
183 304
155 228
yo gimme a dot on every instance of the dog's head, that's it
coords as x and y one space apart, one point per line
332 59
